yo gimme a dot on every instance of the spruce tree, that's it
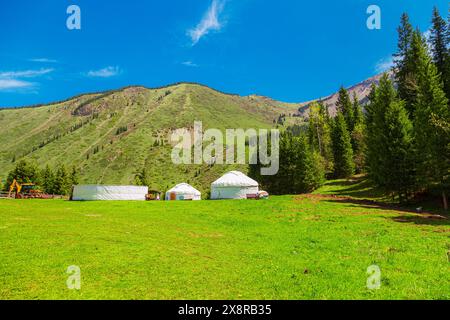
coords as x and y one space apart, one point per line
319 133
345 106
404 69
398 156
74 179
431 116
62 181
357 136
380 99
342 149
48 180
23 172
440 48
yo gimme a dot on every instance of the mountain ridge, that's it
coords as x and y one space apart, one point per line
110 136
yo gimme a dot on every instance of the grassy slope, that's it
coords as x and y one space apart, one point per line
148 114
289 247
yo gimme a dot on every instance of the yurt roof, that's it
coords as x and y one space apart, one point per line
234 179
184 188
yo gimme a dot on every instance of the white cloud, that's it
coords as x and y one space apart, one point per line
209 22
25 73
189 64
105 72
384 65
12 84
44 60
11 80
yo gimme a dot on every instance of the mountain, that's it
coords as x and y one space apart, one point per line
362 91
110 136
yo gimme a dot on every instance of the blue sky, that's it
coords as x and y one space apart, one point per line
289 50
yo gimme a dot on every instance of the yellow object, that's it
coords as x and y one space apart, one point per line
19 187
15 185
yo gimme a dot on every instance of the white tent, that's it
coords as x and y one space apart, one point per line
233 185
97 192
183 191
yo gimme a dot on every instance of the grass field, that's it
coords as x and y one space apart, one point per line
289 247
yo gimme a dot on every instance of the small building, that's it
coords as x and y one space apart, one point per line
111 193
183 191
234 185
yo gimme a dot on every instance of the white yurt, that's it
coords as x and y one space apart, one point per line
183 191
233 185
98 192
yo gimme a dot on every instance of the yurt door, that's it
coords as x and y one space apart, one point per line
173 196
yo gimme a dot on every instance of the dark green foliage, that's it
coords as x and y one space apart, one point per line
398 157
345 106
342 148
389 153
121 130
432 120
141 177
301 169
24 172
358 136
63 184
405 69
319 134
440 48
47 180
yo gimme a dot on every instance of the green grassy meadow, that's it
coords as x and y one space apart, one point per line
288 247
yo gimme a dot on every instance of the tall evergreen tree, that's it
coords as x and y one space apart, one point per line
345 106
48 180
319 133
62 183
398 156
357 136
404 69
342 148
440 48
431 115
141 177
389 151
301 169
74 179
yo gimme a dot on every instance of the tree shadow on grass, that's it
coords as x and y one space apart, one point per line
407 215
357 187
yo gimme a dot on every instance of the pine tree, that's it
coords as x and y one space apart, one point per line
344 106
379 100
398 156
440 48
141 177
342 149
301 170
48 180
357 136
319 134
23 172
74 176
404 69
432 114
62 181
389 151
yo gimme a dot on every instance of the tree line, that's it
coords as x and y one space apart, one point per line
401 139
58 180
